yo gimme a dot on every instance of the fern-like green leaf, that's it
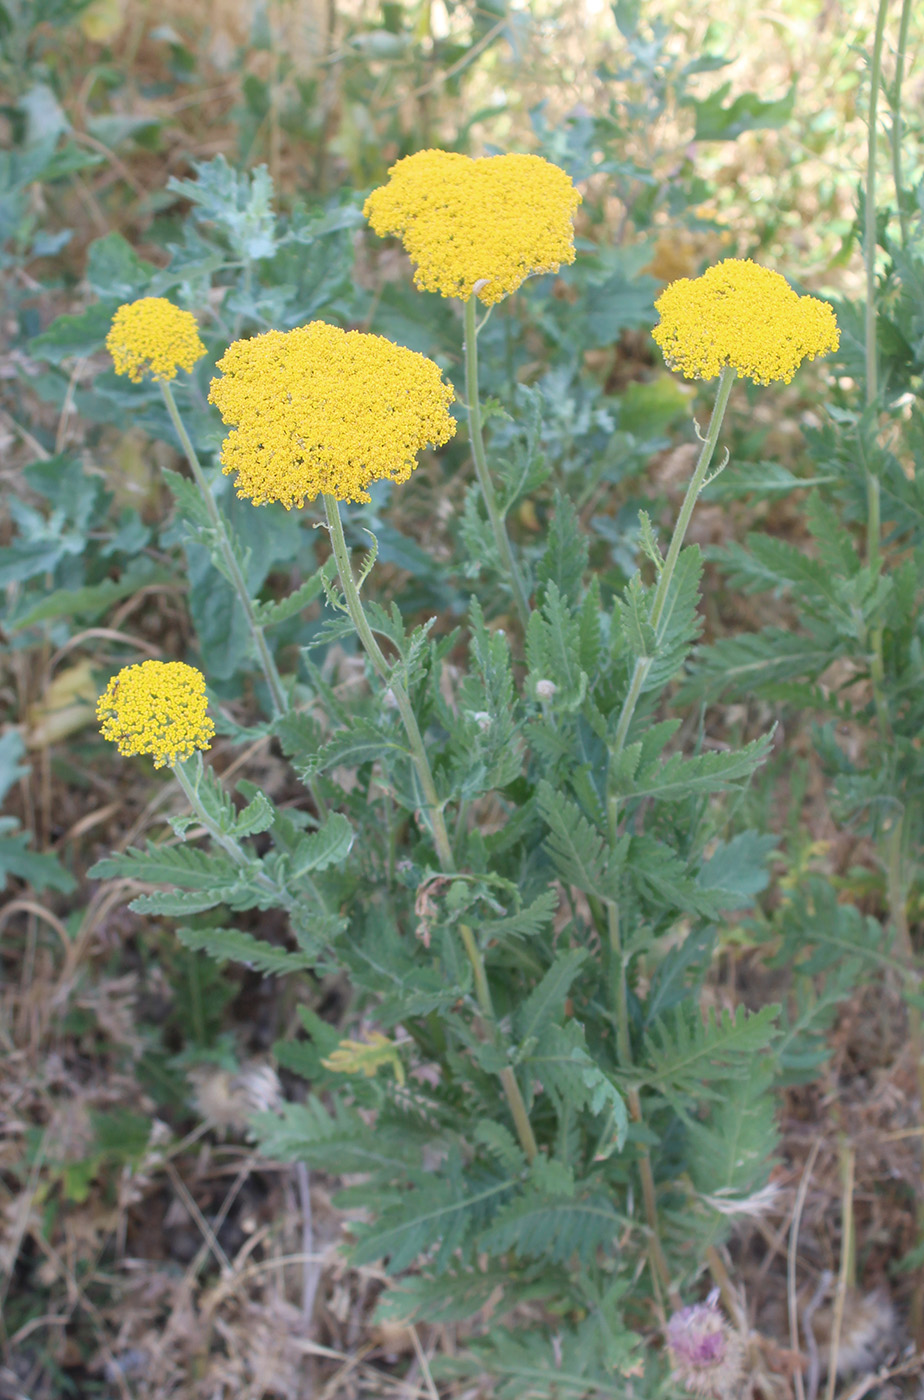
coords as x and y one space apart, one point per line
749 665
566 551
681 777
690 1054
539 1226
170 865
526 923
448 1210
580 853
271 614
546 1001
233 945
553 649
337 1141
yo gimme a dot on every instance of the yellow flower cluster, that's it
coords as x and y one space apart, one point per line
744 316
152 335
324 411
157 707
495 219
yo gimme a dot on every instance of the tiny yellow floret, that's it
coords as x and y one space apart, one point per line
743 316
321 411
152 336
493 220
159 708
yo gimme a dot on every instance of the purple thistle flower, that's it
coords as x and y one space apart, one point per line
705 1354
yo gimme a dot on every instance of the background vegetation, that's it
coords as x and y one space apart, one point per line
146 1248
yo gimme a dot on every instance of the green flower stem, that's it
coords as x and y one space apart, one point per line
896 132
873 504
267 664
697 482
434 808
657 1260
896 882
875 79
501 538
659 1265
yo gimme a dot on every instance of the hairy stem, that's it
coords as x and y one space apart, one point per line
657 1258
433 807
896 132
662 591
875 79
501 538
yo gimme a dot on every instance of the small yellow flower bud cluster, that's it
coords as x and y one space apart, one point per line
153 336
742 316
324 411
477 226
158 708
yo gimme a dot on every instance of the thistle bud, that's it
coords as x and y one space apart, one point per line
705 1353
545 689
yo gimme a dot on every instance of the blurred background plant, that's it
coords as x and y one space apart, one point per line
146 1250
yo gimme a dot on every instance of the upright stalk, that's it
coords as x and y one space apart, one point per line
896 881
656 1257
267 664
875 78
433 807
896 132
501 538
659 1265
662 591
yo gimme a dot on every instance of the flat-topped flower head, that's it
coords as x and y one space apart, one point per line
744 316
321 411
152 336
158 708
493 220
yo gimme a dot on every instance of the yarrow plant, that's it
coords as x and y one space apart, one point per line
152 336
477 227
321 411
510 860
744 317
158 708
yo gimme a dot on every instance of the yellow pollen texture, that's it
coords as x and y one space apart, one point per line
494 219
158 708
153 336
319 411
744 316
